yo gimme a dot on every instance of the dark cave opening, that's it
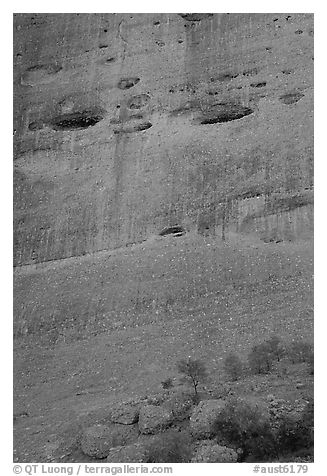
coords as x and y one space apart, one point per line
76 120
291 98
258 85
175 230
195 16
135 128
227 115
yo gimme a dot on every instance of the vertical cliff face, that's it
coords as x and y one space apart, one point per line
125 124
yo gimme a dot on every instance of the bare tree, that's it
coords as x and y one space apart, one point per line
194 372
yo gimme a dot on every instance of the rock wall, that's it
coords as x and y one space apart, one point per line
125 124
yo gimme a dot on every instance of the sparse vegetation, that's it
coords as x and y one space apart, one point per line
263 355
194 372
300 351
297 435
261 359
233 366
246 427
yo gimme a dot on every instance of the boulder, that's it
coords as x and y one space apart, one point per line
180 404
127 454
125 413
209 452
97 440
204 416
153 419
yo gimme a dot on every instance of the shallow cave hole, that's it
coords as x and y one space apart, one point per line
47 68
175 230
40 74
299 32
262 84
251 72
195 16
35 125
76 120
143 127
126 119
227 115
138 102
291 98
136 128
127 83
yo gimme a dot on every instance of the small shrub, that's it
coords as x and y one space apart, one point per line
276 348
233 366
261 359
246 427
169 447
300 351
297 435
167 384
194 372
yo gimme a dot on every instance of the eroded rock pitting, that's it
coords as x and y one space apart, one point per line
227 76
109 60
260 84
175 230
225 113
291 98
77 120
143 126
40 74
251 72
127 83
36 125
195 16
126 119
138 102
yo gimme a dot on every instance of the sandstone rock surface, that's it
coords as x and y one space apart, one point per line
153 419
204 416
97 440
125 413
127 454
180 404
209 452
